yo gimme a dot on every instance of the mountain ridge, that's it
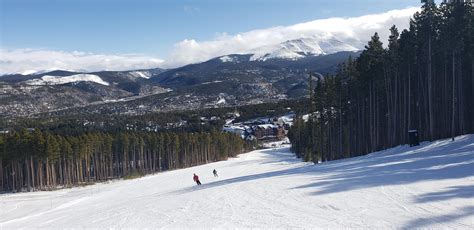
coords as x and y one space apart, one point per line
231 80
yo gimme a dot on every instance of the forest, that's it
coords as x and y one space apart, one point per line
55 152
39 160
422 80
80 123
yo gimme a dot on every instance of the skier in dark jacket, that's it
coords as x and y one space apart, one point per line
196 179
215 173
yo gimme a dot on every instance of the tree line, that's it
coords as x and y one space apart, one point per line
423 80
40 160
77 124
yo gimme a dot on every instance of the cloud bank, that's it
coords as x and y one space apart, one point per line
355 31
28 61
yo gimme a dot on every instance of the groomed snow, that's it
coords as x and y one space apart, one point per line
59 80
429 186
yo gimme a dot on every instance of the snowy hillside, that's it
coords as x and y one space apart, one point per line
59 80
429 186
142 74
292 50
300 48
228 59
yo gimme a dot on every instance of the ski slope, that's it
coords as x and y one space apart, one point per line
428 186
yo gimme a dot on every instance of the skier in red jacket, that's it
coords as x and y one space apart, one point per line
196 179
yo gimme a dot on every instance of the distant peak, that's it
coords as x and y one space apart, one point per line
300 48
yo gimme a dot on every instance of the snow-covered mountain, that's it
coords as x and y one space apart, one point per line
26 95
59 80
269 74
296 49
30 72
300 48
142 74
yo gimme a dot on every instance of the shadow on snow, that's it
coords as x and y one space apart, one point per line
437 160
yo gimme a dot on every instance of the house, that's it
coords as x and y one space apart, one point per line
269 132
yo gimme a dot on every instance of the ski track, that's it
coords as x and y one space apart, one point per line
429 186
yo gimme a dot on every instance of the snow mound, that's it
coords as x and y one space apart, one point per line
430 186
59 80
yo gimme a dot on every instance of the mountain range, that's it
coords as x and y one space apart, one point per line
266 74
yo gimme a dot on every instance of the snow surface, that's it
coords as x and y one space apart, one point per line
142 74
28 72
267 126
210 82
228 59
305 117
59 80
221 101
428 186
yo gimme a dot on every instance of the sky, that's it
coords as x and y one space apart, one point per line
120 34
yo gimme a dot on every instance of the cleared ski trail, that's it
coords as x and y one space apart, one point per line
429 186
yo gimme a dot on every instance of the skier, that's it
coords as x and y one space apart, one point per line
215 173
196 179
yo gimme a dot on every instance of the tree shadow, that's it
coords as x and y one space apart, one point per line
402 165
465 191
241 179
272 156
433 161
439 220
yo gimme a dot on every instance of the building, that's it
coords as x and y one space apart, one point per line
269 132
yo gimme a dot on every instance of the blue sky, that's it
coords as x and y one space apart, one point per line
91 35
152 27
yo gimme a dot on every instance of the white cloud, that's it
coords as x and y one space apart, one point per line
354 31
30 60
